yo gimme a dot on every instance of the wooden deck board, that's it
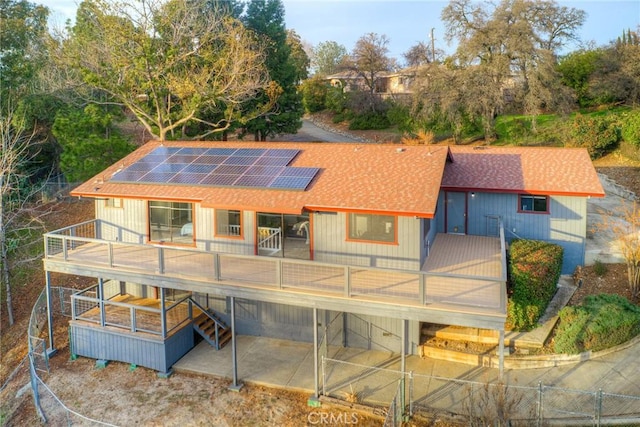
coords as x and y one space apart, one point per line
145 320
465 255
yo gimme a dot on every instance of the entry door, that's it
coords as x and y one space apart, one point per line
456 215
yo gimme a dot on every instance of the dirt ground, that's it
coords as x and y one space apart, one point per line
122 396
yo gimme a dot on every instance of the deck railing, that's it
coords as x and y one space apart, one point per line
76 244
88 306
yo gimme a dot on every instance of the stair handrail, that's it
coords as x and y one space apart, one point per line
207 312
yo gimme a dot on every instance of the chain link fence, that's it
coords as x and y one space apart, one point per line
478 403
49 407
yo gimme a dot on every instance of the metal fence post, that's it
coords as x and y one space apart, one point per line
410 393
324 376
598 408
539 408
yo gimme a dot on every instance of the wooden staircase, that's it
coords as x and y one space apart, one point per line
212 329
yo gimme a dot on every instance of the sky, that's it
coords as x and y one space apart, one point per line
406 22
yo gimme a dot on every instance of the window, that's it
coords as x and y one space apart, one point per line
170 222
228 223
528 203
374 228
113 203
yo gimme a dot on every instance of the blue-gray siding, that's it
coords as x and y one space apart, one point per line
296 323
122 346
566 223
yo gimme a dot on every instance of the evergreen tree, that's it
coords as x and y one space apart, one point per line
266 19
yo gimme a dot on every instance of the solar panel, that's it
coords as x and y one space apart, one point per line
292 183
195 151
220 151
240 160
230 170
182 158
128 175
300 172
169 167
157 177
187 178
253 181
224 180
199 168
265 170
239 167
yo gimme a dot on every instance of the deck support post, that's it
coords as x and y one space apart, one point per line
103 316
501 354
403 368
316 381
51 350
163 313
234 351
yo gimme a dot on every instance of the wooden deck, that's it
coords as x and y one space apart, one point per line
141 315
463 275
465 255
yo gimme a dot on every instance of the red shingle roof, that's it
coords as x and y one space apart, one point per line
396 179
404 180
535 170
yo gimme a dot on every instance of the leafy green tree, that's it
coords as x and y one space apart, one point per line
23 27
89 141
298 56
266 19
167 63
328 57
577 69
314 94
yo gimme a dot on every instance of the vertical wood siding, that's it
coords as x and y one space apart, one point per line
126 224
565 225
103 344
296 323
331 245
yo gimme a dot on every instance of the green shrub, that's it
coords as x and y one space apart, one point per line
534 272
602 321
598 134
600 268
400 116
336 100
631 128
369 121
314 94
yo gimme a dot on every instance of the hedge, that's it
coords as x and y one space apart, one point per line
534 270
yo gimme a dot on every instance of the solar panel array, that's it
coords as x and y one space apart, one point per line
220 167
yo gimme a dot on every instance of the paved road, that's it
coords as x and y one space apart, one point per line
313 133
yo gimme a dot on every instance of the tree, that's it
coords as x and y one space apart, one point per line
419 54
299 57
509 43
370 59
89 142
20 223
624 224
576 69
23 26
167 63
266 19
328 57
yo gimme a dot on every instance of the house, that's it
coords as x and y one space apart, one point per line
366 241
387 83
